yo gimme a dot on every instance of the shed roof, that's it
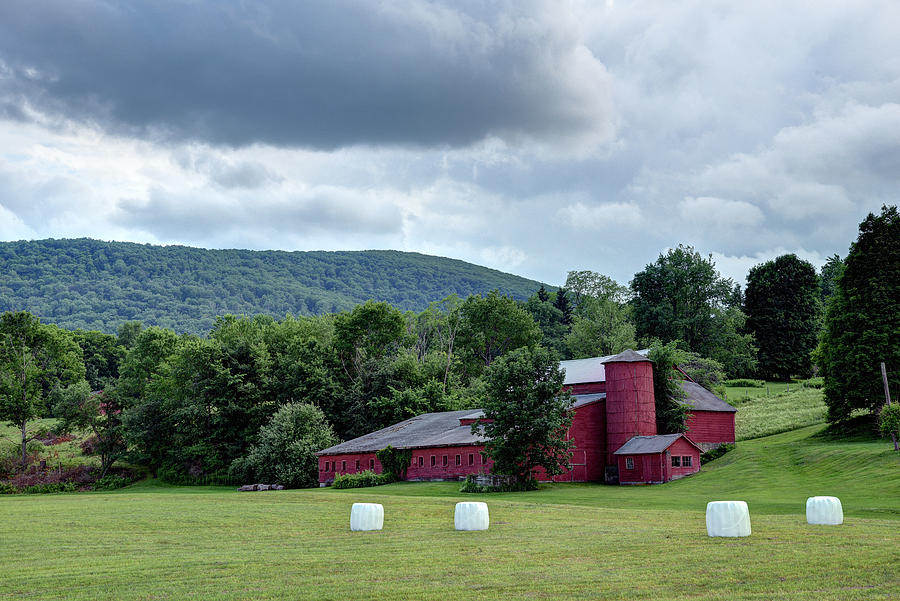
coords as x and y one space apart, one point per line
647 445
581 371
701 399
429 430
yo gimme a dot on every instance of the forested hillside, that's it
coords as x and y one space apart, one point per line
98 285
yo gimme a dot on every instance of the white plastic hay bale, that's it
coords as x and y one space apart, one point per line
366 516
727 518
824 510
471 516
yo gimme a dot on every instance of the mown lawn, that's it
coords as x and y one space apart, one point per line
561 542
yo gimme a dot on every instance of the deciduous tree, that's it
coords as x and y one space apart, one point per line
783 308
862 322
527 414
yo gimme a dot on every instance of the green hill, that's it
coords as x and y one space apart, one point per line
97 285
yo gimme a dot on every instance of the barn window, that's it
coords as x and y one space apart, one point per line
471 459
686 461
458 460
421 460
343 466
357 465
676 461
432 461
372 464
444 461
629 463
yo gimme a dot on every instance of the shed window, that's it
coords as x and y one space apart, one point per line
629 463
444 461
471 459
686 461
372 464
432 461
458 460
676 461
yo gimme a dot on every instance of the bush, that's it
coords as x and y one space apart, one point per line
471 486
745 383
361 480
715 453
89 445
394 462
50 487
111 482
286 451
8 489
172 475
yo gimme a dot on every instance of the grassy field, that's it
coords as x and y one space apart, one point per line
764 415
151 541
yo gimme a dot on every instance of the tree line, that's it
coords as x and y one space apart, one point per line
227 404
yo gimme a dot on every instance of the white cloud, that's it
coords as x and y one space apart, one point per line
601 217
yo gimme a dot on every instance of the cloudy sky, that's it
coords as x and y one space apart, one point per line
533 137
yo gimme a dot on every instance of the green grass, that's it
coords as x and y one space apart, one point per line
153 541
761 416
770 389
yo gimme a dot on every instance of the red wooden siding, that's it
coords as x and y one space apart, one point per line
630 408
653 468
451 470
586 388
710 426
588 430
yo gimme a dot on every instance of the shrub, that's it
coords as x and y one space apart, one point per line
361 480
8 489
89 445
471 486
286 451
715 453
111 482
745 383
394 462
889 420
172 475
50 487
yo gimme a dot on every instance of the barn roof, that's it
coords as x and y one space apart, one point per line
429 430
701 399
581 371
629 356
646 445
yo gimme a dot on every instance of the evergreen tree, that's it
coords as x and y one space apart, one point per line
783 306
542 294
862 323
562 303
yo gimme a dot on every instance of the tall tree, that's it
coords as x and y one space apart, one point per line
862 322
35 359
527 415
493 325
671 412
828 276
783 307
590 284
601 327
675 298
101 412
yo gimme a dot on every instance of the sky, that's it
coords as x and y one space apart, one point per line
534 137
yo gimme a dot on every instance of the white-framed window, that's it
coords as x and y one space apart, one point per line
471 459
432 461
686 461
676 461
629 463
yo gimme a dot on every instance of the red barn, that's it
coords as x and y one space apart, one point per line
614 404
657 459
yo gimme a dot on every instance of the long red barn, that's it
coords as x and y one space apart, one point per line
614 406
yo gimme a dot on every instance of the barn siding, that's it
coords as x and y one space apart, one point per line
705 427
586 388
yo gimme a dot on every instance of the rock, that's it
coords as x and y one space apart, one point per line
277 487
262 487
247 488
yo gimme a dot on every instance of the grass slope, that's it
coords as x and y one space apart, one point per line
764 415
561 542
97 285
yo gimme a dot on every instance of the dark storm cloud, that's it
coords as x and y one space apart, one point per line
320 75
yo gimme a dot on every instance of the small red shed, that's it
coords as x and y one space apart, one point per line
657 459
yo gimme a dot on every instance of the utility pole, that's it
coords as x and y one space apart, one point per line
887 398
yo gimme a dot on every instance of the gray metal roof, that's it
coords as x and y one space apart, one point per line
429 430
701 399
629 356
582 371
644 445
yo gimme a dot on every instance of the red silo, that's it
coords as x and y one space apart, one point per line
630 405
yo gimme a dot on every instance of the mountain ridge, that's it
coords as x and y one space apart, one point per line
97 285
